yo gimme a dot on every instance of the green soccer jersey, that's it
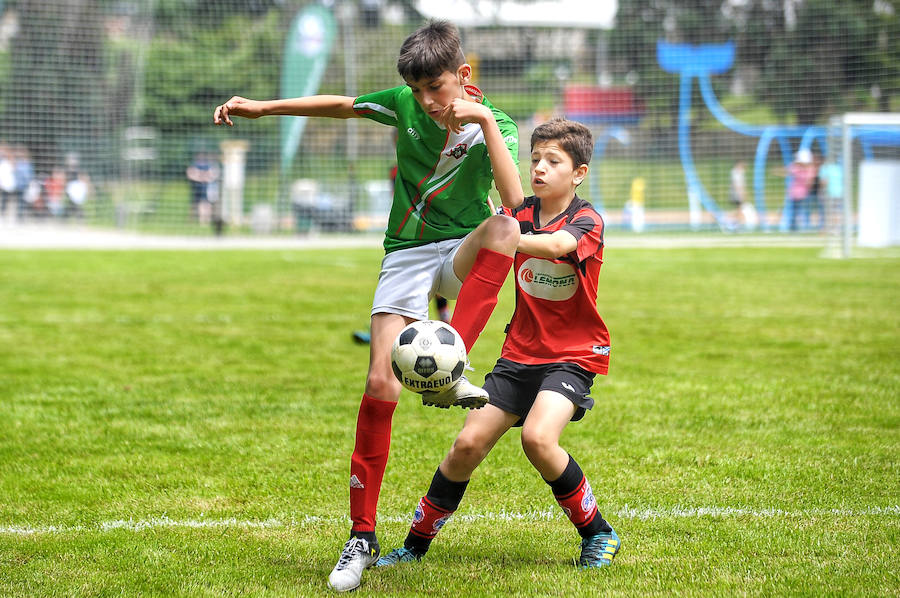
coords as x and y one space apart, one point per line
443 178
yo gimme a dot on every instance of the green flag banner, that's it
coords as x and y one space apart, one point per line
306 55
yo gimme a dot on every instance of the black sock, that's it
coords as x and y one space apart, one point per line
568 479
367 536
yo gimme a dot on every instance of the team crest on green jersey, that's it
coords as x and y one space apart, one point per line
458 152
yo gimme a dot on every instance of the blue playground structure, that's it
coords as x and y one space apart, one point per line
700 62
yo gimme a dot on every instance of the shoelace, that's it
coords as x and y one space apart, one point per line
353 547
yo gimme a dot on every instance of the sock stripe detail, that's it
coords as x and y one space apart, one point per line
569 495
435 507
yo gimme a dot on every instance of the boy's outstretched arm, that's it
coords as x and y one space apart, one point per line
327 106
506 173
551 246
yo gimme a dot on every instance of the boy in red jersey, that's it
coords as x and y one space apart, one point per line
441 238
555 344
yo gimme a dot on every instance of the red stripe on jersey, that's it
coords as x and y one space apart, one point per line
431 197
433 168
405 218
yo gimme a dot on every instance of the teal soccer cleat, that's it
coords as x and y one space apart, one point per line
599 550
396 556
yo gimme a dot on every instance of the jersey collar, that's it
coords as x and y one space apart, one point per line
566 214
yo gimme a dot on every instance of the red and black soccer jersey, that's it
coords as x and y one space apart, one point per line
556 318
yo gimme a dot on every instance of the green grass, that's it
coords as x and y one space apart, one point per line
746 441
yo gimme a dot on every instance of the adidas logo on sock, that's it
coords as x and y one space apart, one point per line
355 483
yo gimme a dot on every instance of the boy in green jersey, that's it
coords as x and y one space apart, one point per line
441 238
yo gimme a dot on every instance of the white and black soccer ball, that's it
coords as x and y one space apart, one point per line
428 355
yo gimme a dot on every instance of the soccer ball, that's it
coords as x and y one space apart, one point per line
428 356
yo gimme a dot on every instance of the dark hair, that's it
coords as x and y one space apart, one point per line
573 137
429 51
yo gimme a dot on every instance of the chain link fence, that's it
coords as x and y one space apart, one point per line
701 110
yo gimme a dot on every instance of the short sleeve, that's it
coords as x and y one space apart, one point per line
510 133
587 228
380 106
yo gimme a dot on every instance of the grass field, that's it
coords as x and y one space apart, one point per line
180 423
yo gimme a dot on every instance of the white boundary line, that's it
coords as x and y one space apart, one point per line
627 512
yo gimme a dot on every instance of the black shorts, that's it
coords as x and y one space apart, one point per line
513 387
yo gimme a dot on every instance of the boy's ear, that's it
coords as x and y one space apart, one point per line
464 73
580 174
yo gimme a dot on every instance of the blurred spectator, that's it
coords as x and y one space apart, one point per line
744 210
800 173
813 202
7 181
35 202
24 173
54 192
78 190
633 211
203 174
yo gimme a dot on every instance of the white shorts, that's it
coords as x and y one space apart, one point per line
410 278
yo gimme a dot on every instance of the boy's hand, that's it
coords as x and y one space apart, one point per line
462 111
237 106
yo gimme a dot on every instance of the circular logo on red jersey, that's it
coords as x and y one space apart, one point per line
554 281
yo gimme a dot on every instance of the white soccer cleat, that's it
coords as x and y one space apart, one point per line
356 557
462 394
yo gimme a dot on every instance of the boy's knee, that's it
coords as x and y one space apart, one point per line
383 385
502 233
537 444
467 451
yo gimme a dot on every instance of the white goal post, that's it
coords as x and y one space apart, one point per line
839 241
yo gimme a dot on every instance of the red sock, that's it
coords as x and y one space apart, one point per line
369 460
579 505
478 294
428 521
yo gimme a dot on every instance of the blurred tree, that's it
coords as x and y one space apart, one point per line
62 110
816 57
176 14
194 70
832 57
191 73
632 49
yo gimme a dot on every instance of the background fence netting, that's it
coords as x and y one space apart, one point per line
711 115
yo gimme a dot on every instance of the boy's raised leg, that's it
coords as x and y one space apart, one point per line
482 263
